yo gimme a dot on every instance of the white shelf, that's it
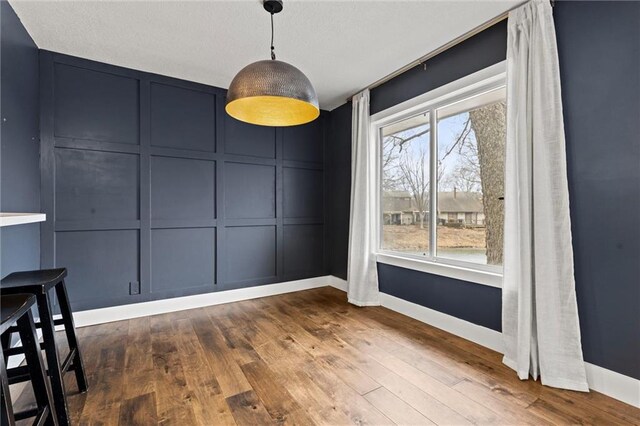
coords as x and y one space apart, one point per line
9 219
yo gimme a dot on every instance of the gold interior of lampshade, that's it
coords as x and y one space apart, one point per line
276 111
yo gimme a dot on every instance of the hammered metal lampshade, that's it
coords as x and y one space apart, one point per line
272 93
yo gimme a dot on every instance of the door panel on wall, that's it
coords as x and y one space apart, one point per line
95 105
94 185
182 188
182 258
250 191
101 265
182 118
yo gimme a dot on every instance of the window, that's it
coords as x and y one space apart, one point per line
405 186
471 136
442 179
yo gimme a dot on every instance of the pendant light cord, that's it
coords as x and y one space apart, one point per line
273 53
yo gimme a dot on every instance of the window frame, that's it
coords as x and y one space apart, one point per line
478 83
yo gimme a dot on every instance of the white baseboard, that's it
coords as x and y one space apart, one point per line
338 283
615 385
154 307
608 382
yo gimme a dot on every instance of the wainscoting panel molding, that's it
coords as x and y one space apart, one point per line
153 192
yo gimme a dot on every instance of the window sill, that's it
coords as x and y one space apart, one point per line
491 279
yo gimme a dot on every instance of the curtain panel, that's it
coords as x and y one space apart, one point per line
539 313
362 274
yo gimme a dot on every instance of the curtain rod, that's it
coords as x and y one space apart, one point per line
441 49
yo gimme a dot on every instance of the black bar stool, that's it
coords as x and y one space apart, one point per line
39 283
17 308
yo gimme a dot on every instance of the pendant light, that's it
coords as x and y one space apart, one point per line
272 92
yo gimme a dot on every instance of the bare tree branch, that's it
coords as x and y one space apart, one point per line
461 139
415 171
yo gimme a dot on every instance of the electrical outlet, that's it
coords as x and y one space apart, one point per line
134 287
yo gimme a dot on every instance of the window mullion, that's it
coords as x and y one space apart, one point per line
433 183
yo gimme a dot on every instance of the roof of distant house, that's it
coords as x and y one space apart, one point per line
397 201
467 202
397 194
448 202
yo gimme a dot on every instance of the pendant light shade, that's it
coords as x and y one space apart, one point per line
272 92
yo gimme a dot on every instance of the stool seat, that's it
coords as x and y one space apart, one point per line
36 282
13 307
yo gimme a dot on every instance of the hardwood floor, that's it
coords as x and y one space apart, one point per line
309 358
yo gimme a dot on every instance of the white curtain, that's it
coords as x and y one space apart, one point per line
539 313
362 275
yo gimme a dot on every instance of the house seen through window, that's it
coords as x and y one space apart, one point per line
450 161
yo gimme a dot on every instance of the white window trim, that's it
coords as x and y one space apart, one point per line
477 83
472 275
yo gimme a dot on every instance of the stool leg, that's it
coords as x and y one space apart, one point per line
37 374
53 358
5 340
70 330
6 416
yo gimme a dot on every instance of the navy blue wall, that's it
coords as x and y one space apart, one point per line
338 188
472 302
478 52
153 191
599 49
19 155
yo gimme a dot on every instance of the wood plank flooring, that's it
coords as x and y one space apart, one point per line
309 358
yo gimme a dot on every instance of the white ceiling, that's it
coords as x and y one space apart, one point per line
342 46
